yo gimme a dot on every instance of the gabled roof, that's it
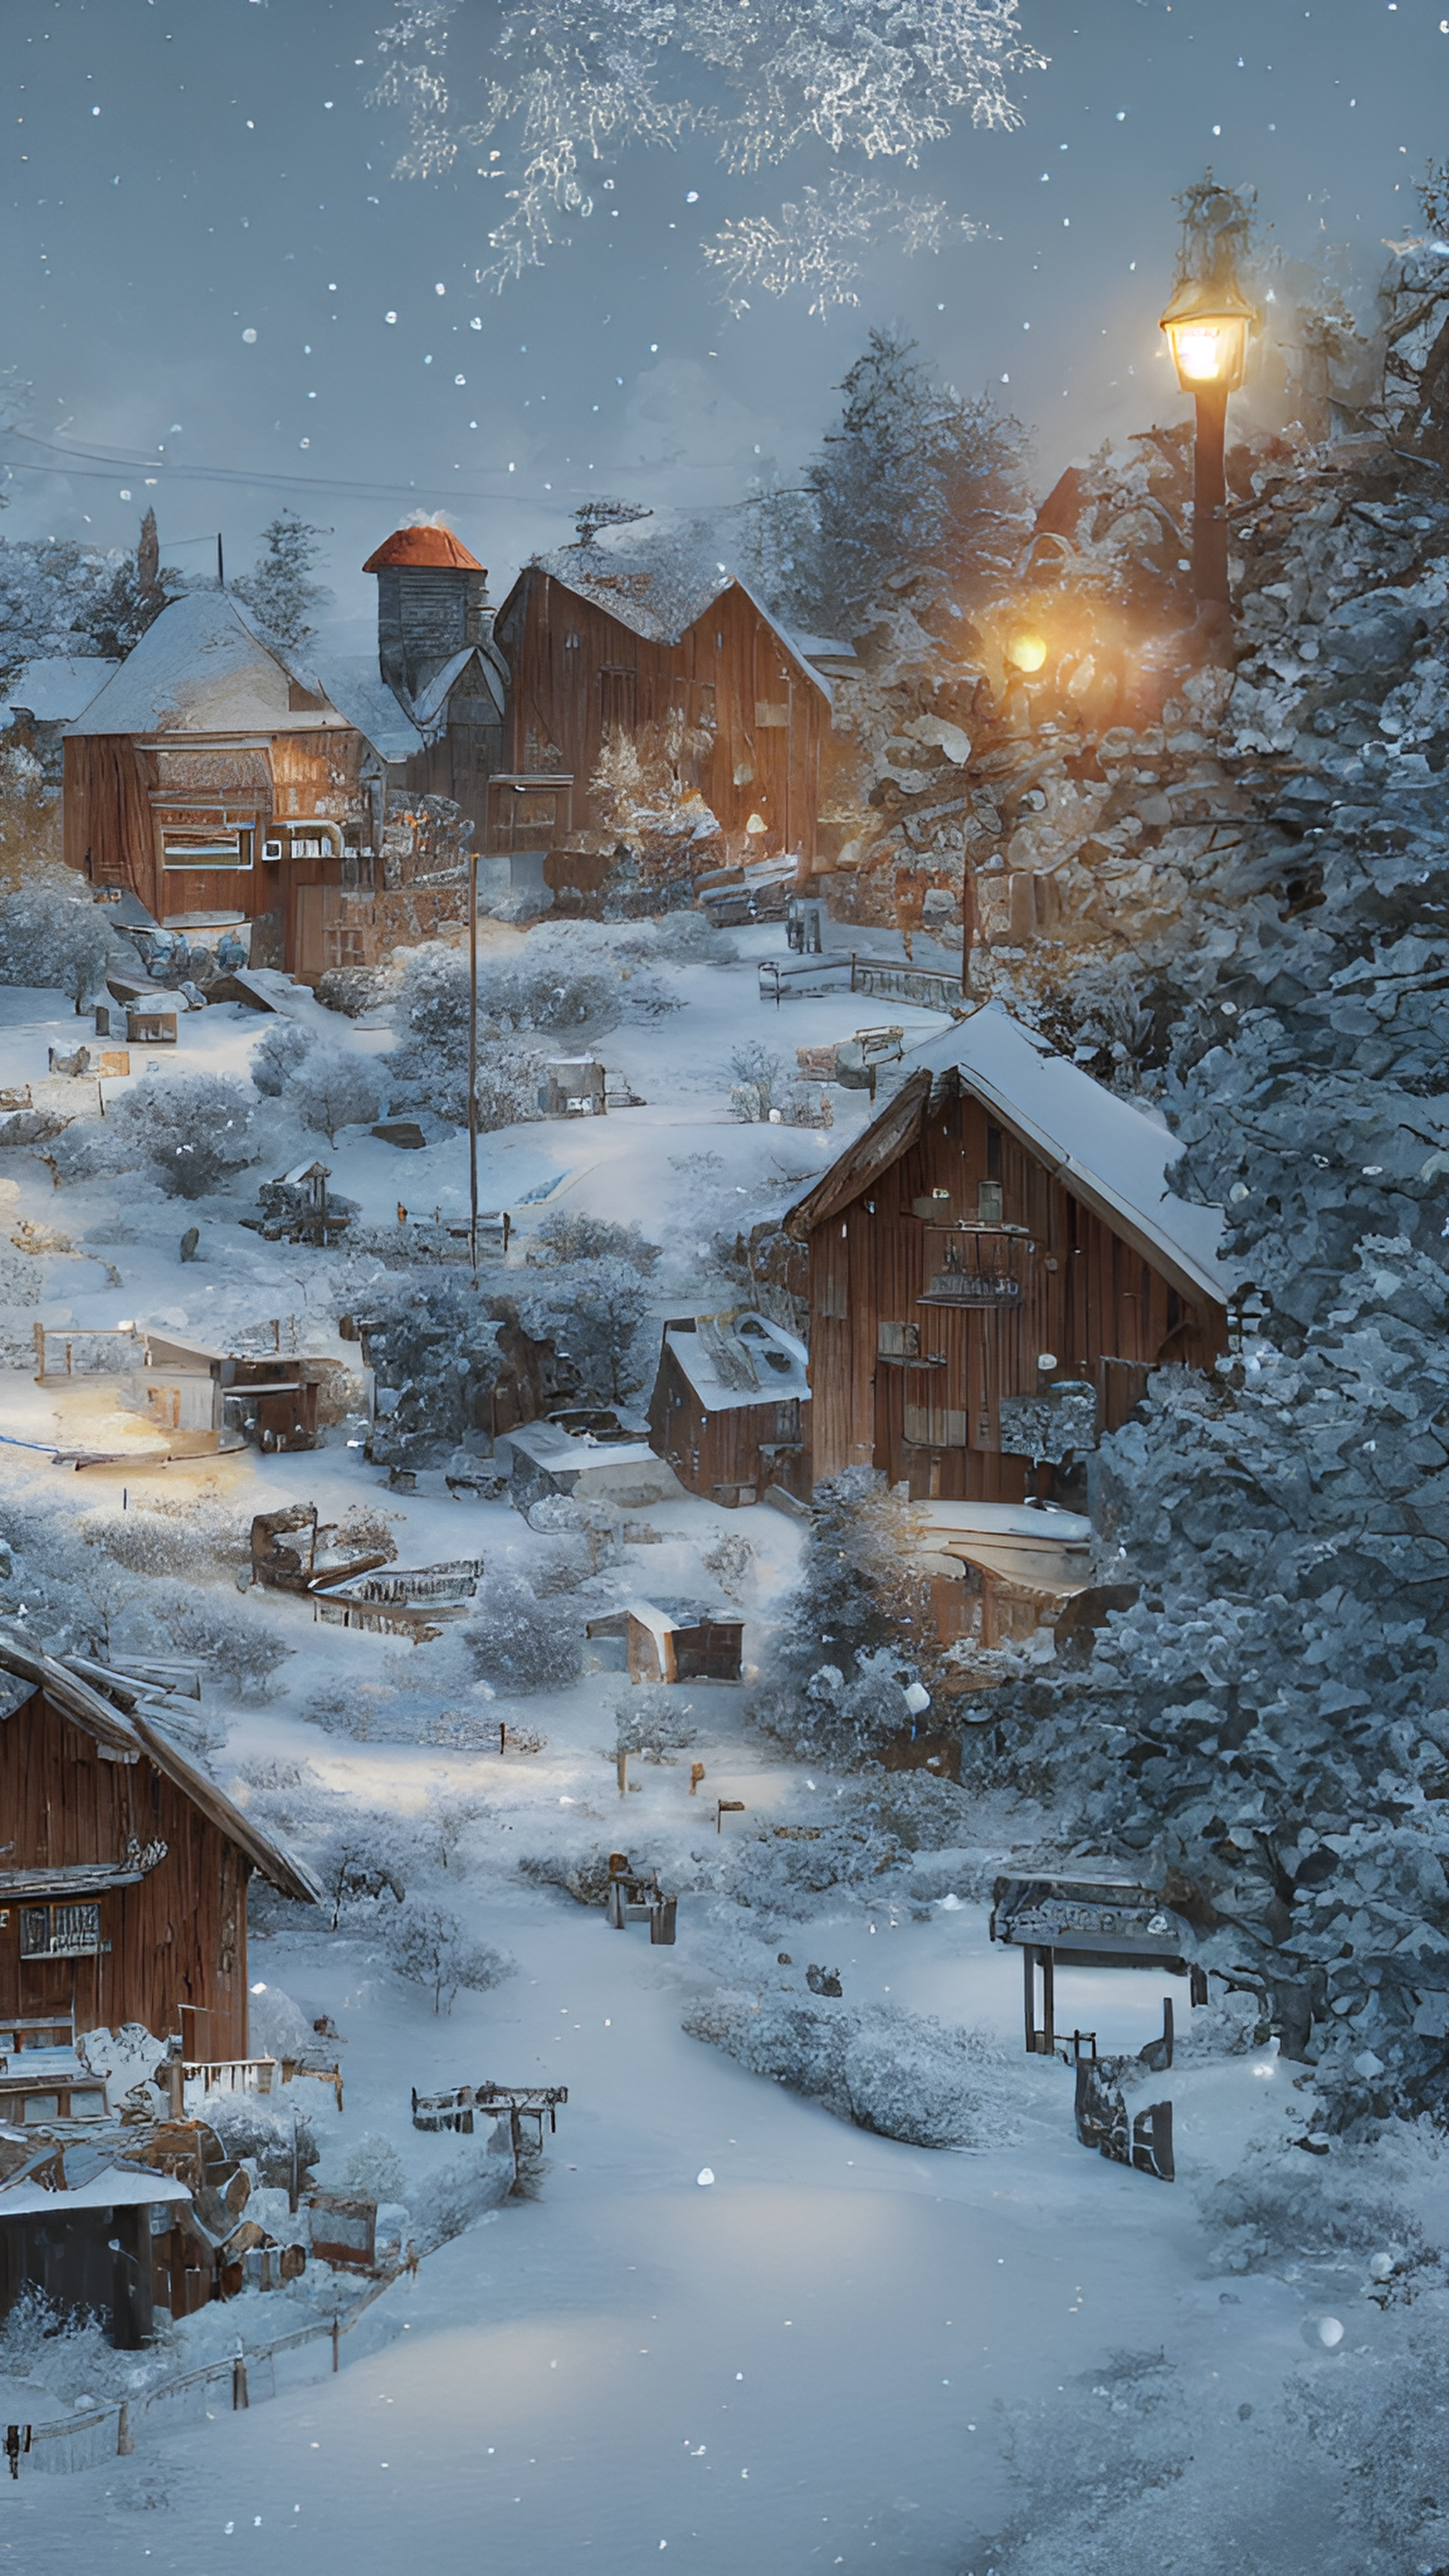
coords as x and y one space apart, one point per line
659 609
353 684
738 1360
1117 1158
200 667
428 547
126 1732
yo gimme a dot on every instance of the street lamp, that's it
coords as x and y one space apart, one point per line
1207 329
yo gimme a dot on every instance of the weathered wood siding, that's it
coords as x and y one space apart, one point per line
726 1449
577 671
177 1940
1088 1298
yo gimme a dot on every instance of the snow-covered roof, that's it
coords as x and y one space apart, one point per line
353 684
1115 1155
56 689
657 600
200 667
732 1361
112 2187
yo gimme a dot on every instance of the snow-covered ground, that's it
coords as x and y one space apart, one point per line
864 2354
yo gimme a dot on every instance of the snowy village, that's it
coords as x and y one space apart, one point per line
723 1438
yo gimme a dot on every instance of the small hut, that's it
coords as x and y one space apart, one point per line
731 1405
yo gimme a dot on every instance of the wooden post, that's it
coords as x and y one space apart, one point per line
696 1774
336 2337
621 1765
1048 2003
125 2438
1028 1981
239 2397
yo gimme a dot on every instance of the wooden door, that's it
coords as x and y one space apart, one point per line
312 914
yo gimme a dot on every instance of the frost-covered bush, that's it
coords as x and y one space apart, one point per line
430 1947
330 1090
442 1830
759 1077
731 1561
464 2191
900 2074
192 1129
516 1646
373 2166
195 1539
594 1313
276 2026
276 1056
359 1856
279 2134
1280 2205
51 935
229 1643
567 1236
653 1720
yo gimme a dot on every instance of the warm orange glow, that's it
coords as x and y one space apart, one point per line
1199 353
1026 652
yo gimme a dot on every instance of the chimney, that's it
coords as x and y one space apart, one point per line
431 594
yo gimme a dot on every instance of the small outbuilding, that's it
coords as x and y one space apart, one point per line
730 1411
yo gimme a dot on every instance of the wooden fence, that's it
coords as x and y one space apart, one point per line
244 2378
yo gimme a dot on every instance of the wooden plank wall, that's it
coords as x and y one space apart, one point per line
1089 1298
178 1938
577 669
707 1450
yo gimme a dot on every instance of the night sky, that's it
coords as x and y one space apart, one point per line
204 245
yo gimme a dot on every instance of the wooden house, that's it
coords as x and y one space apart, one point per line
227 785
730 1411
123 1885
589 652
995 1267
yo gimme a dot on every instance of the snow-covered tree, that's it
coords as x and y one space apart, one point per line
133 599
594 1314
329 1090
51 933
361 1855
857 1628
568 1235
517 1646
193 1129
279 589
653 1720
431 1948
915 480
580 90
277 1054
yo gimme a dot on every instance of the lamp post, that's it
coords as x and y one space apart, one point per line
1207 330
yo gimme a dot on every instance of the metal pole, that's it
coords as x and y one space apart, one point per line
473 1061
1209 497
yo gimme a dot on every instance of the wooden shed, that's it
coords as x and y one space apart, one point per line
123 1887
995 1267
730 1411
592 648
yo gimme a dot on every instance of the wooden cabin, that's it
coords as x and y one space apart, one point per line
995 1268
730 1411
228 785
589 652
123 1887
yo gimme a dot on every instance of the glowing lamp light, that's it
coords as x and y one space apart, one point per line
1026 652
1207 331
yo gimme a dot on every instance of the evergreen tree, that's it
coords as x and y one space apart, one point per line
118 618
915 481
279 589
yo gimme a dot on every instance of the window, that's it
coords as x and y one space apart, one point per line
988 1203
60 1931
898 1341
993 1153
224 849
